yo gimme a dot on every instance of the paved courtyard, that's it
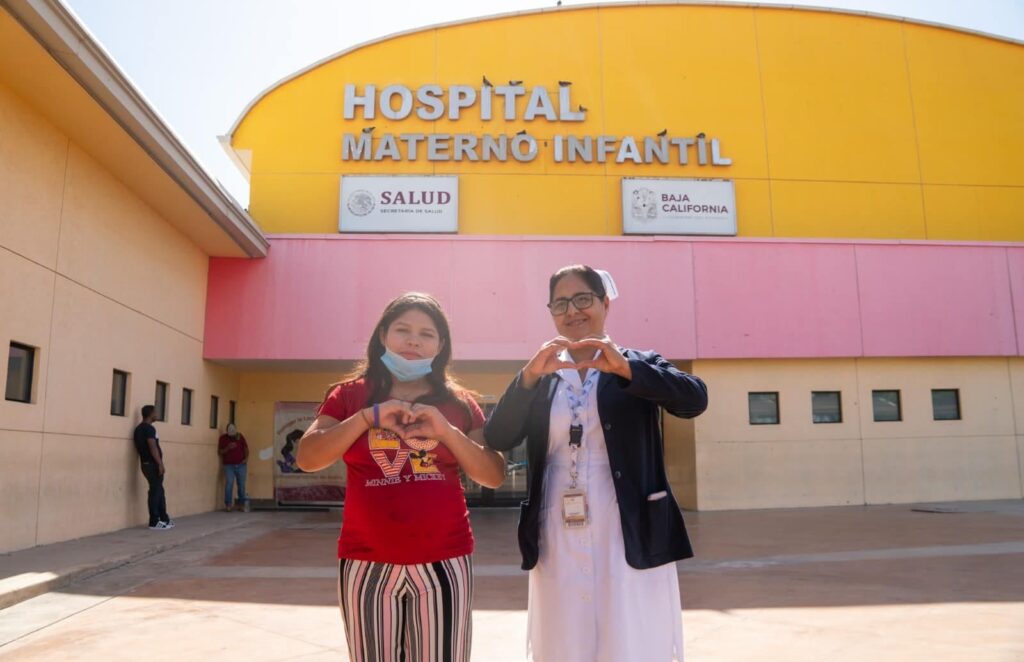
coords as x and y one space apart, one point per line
876 583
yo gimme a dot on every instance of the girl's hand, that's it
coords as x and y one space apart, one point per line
393 415
426 422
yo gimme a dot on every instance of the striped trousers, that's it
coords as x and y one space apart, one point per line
407 613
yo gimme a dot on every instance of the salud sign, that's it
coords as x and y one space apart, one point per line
399 204
678 206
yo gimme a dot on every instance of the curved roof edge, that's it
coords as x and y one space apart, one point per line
226 138
70 44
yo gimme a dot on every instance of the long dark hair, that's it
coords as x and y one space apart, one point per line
589 276
443 385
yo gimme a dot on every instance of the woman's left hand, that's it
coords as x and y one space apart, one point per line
610 359
427 422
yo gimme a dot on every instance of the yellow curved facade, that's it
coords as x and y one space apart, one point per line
837 125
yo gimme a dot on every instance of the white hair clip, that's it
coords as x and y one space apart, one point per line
609 284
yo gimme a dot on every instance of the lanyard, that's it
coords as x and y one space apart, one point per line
577 401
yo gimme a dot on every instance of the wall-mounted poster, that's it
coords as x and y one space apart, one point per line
291 484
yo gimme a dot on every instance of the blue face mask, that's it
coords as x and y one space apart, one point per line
406 370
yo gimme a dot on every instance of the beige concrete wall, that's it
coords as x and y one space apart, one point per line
259 391
720 461
1015 367
919 459
20 454
101 243
681 453
681 459
96 280
795 463
799 463
33 159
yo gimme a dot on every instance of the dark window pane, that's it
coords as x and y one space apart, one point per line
231 411
214 406
764 408
118 393
886 405
946 404
186 406
20 364
826 407
160 401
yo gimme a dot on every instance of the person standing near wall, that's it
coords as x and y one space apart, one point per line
404 427
601 531
234 454
151 459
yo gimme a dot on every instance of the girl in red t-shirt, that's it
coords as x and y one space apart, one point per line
404 428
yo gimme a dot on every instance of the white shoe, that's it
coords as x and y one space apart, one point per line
161 526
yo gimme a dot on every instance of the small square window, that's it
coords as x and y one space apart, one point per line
826 407
118 393
21 363
231 412
186 406
214 407
946 404
160 401
764 408
886 406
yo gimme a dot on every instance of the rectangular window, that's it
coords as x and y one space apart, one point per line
826 407
118 393
214 407
186 406
21 361
886 405
946 404
231 411
160 401
764 408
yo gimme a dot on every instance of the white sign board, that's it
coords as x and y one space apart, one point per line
399 204
678 206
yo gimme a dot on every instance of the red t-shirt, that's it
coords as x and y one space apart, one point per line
404 501
237 454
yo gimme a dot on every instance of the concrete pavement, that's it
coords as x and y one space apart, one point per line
945 582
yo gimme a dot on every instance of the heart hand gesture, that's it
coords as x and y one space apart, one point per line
426 422
394 415
546 361
609 360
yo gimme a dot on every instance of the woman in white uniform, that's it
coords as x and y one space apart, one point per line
600 531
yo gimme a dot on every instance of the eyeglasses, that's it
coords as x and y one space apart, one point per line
580 301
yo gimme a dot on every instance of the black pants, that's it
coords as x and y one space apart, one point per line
156 500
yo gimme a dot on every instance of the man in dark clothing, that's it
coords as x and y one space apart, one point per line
152 460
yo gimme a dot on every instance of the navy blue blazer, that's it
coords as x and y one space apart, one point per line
653 531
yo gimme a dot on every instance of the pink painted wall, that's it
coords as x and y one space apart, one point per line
317 297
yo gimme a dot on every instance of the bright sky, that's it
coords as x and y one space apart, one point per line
200 62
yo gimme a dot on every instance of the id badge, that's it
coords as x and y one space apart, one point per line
574 509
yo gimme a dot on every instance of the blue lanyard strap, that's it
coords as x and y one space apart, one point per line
577 401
